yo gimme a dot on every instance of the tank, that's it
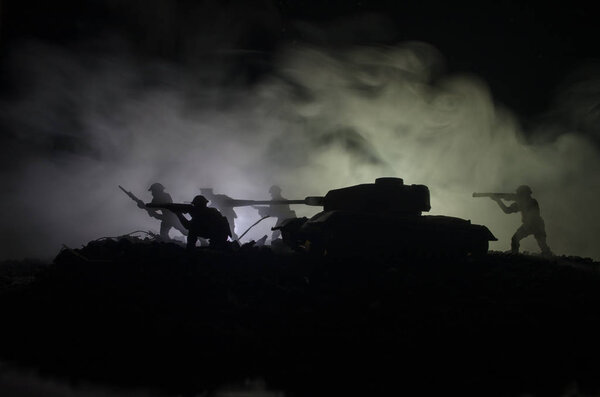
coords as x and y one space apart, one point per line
385 216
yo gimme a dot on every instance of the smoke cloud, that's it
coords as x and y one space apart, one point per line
85 121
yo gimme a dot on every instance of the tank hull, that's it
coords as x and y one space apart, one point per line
351 232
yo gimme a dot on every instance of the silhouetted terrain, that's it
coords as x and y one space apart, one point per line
143 314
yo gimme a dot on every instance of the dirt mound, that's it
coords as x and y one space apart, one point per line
140 313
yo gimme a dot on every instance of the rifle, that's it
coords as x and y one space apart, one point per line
132 196
173 207
503 196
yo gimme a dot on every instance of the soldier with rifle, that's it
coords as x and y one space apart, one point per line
205 222
530 216
167 218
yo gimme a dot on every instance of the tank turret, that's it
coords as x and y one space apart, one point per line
389 195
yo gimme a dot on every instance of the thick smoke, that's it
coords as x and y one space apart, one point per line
87 121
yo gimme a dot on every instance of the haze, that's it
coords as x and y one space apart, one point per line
90 119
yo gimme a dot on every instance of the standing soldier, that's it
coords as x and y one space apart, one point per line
530 216
278 211
222 202
168 218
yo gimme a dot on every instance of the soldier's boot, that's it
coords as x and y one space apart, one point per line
544 247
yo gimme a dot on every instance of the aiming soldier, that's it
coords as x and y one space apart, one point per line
205 222
530 216
223 203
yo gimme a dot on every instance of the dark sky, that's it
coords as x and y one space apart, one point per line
523 51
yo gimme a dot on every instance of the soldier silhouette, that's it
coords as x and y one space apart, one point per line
530 216
205 222
278 211
168 218
222 203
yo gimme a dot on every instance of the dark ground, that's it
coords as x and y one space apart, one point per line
147 315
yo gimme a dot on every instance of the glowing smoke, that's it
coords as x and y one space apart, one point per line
323 119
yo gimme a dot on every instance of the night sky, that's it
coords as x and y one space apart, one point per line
524 51
79 78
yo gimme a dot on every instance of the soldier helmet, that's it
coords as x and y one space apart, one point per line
199 201
156 186
524 190
275 189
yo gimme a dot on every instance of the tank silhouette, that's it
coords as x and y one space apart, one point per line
385 216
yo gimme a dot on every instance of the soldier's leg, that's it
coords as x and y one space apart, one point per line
541 240
231 221
519 235
540 236
164 231
276 233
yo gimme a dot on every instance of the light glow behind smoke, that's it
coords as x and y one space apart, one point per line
324 119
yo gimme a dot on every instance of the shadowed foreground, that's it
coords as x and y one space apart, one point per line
148 315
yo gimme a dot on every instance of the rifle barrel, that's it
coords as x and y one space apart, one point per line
504 196
131 195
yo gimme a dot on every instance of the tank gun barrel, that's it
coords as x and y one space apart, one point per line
311 200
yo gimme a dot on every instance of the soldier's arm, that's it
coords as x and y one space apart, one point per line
154 213
514 207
